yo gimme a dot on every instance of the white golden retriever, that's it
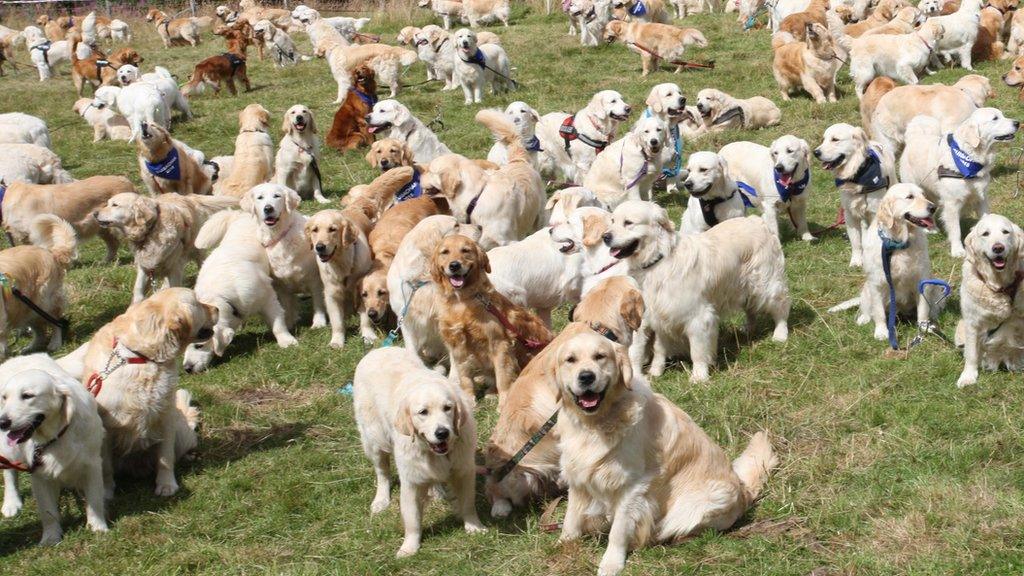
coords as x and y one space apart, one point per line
667 103
570 142
525 120
775 178
19 128
955 168
690 283
992 324
296 165
714 196
52 429
902 57
478 66
628 167
406 411
401 125
636 463
32 164
960 31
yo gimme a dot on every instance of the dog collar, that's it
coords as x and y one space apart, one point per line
729 114
639 9
367 99
891 245
477 59
651 263
533 144
274 241
604 331
6 464
927 45
120 355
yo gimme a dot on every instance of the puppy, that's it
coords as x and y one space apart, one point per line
105 122
736 264
405 410
990 325
74 203
901 57
635 460
627 169
525 120
296 164
654 42
477 67
52 430
772 178
401 125
863 170
488 337
721 111
570 142
37 271
904 214
166 165
714 195
811 64
955 168
349 129
280 232
254 153
162 232
234 278
176 31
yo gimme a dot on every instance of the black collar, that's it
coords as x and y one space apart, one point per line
707 209
651 264
604 331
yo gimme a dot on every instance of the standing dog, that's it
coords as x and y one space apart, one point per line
477 66
174 32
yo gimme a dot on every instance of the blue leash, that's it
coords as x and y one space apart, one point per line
889 246
931 325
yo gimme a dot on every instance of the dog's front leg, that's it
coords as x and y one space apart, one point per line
46 493
316 291
478 90
658 357
411 501
12 500
95 505
951 209
631 510
463 484
702 333
166 484
972 351
770 216
638 349
798 213
853 226
572 524
467 90
879 295
812 88
336 315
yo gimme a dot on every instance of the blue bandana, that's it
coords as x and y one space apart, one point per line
639 9
367 99
169 168
746 191
477 59
964 162
533 144
794 188
410 190
3 191
869 176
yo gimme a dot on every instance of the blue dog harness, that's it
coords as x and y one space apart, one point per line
477 59
533 144
888 247
169 168
786 193
869 176
411 190
967 168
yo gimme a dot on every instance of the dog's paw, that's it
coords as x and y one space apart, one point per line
610 567
11 509
699 375
957 252
287 342
337 343
379 505
781 333
863 319
808 237
501 508
370 337
51 538
967 378
100 528
407 550
166 489
856 262
474 527
319 321
881 333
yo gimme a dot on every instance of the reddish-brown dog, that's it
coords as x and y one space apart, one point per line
349 128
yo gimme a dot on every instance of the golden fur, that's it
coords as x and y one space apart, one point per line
154 145
796 24
254 153
810 64
174 32
884 12
667 42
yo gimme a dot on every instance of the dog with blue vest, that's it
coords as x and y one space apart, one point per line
774 179
478 66
955 168
863 171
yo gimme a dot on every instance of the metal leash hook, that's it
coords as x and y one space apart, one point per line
931 326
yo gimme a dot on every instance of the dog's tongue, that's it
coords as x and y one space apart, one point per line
372 129
589 400
11 441
457 281
786 179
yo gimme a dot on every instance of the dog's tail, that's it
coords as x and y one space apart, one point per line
878 87
215 228
849 304
55 235
186 423
694 37
209 205
505 132
384 187
754 464
780 39
407 57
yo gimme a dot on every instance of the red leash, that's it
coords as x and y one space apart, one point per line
6 464
529 343
684 63
840 221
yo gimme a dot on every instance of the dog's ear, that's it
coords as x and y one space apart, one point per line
594 227
886 215
222 336
403 421
408 158
312 123
723 166
142 212
293 200
458 416
971 246
402 115
68 401
307 232
450 182
246 203
654 102
347 233
625 368
972 135
481 256
632 309
664 222
286 125
534 114
861 137
806 147
372 157
555 197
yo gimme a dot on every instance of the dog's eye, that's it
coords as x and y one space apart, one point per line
464 250
423 412
599 356
986 233
382 292
910 197
627 223
447 407
445 252
364 294
570 360
332 229
27 396
834 139
1006 231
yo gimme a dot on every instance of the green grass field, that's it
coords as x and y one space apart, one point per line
886 468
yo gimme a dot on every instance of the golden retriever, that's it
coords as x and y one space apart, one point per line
167 165
810 64
254 153
176 31
654 42
721 111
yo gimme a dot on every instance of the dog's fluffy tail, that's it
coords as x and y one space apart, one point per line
505 132
754 464
215 228
407 57
54 234
878 87
694 37
209 205
186 423
849 304
780 39
384 187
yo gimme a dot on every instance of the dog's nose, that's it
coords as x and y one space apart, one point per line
5 423
586 378
442 433
385 163
628 109
373 314
1016 124
607 238
688 184
817 153
931 208
367 118
268 209
320 248
779 168
998 249
187 367
655 142
455 265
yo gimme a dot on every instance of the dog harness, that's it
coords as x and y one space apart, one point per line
729 114
6 464
746 193
568 132
529 343
368 99
169 168
235 60
44 48
677 153
499 474
788 191
707 208
640 173
967 168
533 144
411 190
889 246
3 192
477 59
869 176
471 207
120 355
639 9
100 65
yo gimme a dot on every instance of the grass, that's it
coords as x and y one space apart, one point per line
886 467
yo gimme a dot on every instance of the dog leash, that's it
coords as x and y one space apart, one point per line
931 326
529 343
709 65
312 162
61 324
393 334
499 474
889 246
95 382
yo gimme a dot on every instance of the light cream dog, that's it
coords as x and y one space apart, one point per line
721 111
296 165
628 167
714 195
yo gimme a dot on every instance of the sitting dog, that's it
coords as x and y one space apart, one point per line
714 195
349 129
570 142
628 167
296 165
167 165
254 153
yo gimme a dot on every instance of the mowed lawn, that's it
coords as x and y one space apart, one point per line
886 467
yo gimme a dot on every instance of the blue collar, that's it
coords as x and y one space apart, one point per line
477 59
869 176
746 191
965 164
3 191
367 99
794 188
169 168
412 189
677 153
639 9
533 144
889 245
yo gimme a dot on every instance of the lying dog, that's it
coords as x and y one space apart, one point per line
721 111
32 164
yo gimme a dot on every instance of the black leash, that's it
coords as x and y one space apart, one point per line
60 323
539 435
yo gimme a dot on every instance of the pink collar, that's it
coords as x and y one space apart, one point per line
275 241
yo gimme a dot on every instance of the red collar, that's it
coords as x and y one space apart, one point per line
120 355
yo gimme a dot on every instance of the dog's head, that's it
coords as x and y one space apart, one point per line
1015 77
329 232
911 15
299 119
638 231
903 206
385 114
154 140
374 297
449 175
667 99
933 30
840 144
163 325
29 400
563 202
581 229
431 411
153 14
254 118
465 41
365 79
127 74
459 264
126 55
609 104
977 87
820 41
524 117
791 156
222 11
613 30
709 102
389 153
129 212
993 247
263 29
592 373
44 19
930 7
984 127
651 133
406 35
706 173
270 203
